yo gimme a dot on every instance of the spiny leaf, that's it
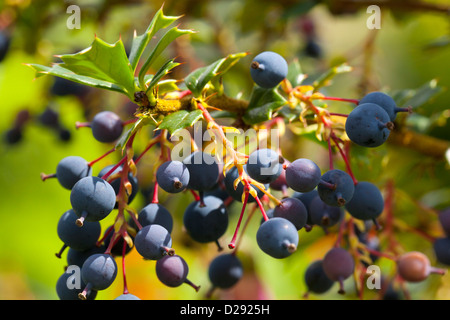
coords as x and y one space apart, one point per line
197 80
142 121
180 120
159 21
165 69
102 61
168 38
58 71
295 74
324 79
263 102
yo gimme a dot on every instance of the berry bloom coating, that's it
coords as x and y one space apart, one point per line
71 169
338 265
264 165
268 69
277 237
92 199
225 271
303 175
106 126
384 101
368 125
173 176
367 202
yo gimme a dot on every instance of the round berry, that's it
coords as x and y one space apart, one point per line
268 69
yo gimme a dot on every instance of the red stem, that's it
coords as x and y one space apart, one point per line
339 114
232 244
124 249
106 175
344 156
330 154
264 214
381 254
196 196
107 233
355 101
146 149
127 122
340 234
155 193
90 164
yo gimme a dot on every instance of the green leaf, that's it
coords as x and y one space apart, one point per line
122 142
289 113
197 80
263 102
325 78
227 63
295 74
164 70
180 120
418 97
159 21
167 85
168 37
102 61
58 71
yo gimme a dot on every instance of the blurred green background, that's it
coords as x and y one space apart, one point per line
411 49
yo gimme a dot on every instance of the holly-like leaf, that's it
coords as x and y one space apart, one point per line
165 69
168 85
179 120
325 78
140 42
197 80
289 113
263 102
418 97
168 38
295 74
58 71
104 62
142 121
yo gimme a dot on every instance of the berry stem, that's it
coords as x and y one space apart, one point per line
247 221
83 295
169 251
155 193
106 175
134 215
381 254
127 122
340 235
232 244
338 114
187 281
196 196
58 254
90 164
107 233
354 101
327 184
125 286
47 176
80 221
79 124
344 157
261 207
330 153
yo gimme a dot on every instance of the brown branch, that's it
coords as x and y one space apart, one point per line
421 143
